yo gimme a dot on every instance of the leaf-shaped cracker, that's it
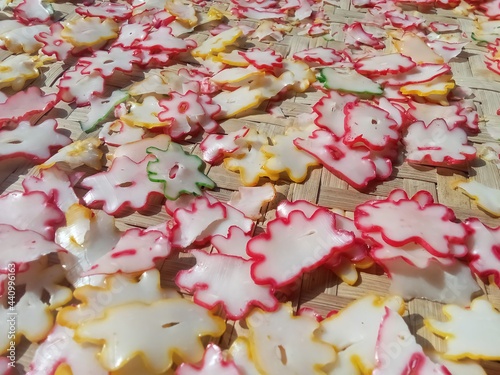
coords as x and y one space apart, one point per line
34 318
353 332
116 290
144 114
225 280
167 327
284 156
281 343
293 245
125 184
89 31
248 159
369 125
36 142
177 171
384 64
164 82
469 333
107 62
413 218
437 144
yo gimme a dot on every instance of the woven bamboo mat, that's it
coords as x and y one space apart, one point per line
321 289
